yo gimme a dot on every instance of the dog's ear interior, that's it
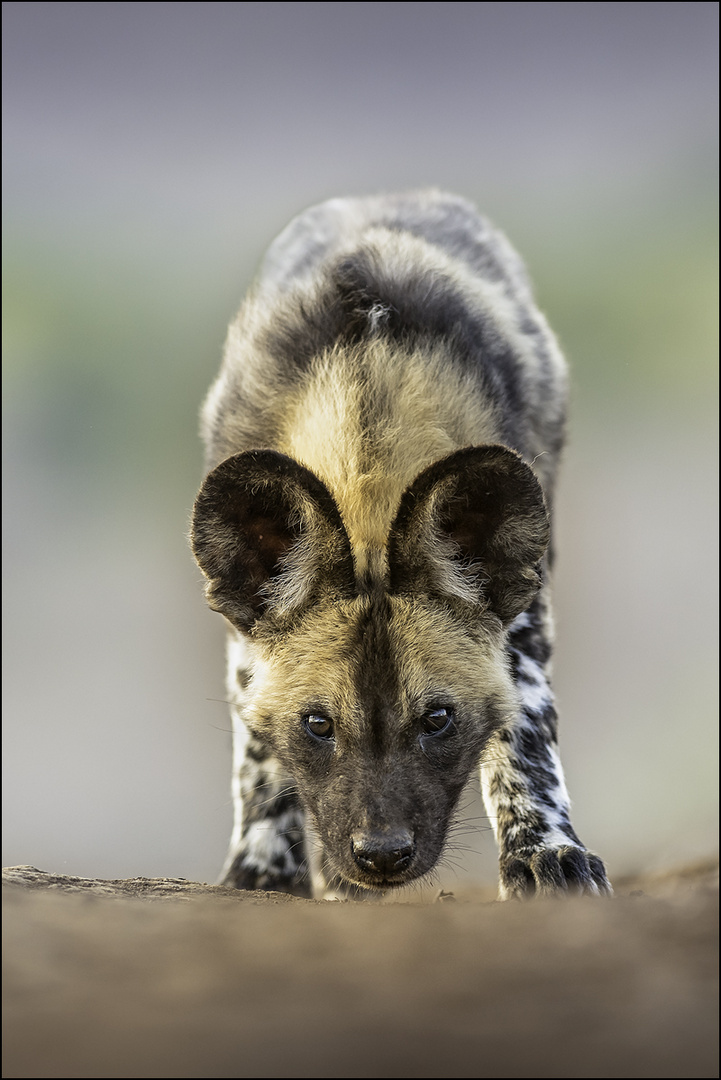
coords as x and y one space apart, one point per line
473 528
267 534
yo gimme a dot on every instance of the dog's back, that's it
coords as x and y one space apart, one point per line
383 333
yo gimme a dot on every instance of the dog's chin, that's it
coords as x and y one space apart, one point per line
346 889
353 882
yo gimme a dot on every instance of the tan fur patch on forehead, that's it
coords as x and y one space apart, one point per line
312 666
428 656
442 658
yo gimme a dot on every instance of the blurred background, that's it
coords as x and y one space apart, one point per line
152 151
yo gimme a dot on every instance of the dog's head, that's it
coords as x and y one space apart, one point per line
377 690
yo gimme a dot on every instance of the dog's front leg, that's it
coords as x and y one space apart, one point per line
268 845
523 784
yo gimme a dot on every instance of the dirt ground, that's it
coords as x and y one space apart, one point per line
166 978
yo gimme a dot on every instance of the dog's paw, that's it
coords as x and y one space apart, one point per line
552 871
240 876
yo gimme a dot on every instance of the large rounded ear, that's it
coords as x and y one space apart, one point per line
268 536
473 526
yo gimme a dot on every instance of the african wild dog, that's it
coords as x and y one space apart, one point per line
382 444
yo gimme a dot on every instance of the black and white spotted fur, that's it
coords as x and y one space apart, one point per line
382 445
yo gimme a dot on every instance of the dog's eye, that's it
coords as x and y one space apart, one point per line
438 721
320 727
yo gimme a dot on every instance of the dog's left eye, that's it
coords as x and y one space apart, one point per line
438 721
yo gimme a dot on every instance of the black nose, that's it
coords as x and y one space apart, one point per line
384 853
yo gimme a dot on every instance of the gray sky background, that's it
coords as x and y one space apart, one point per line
190 111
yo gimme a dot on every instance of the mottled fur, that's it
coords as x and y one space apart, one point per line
382 443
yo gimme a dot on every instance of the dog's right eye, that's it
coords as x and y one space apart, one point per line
438 721
320 727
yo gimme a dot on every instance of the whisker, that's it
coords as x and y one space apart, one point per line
283 793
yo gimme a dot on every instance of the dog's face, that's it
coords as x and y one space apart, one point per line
376 693
378 708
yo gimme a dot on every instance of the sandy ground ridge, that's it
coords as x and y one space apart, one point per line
209 982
